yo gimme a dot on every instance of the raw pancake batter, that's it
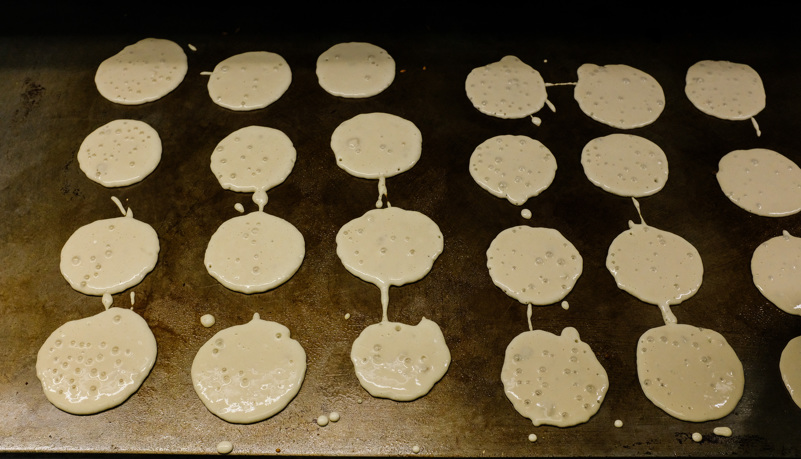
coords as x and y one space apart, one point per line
656 266
143 72
93 364
776 271
534 265
618 95
625 165
120 153
255 252
790 368
508 88
109 256
725 90
690 372
376 146
355 70
514 167
761 181
553 380
398 361
389 246
248 373
253 159
249 81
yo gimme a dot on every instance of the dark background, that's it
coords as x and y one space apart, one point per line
48 104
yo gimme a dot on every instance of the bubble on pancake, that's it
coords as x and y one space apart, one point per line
625 165
514 167
253 159
656 266
249 81
761 181
142 72
93 364
618 95
776 271
691 373
120 153
790 369
389 246
355 70
109 256
398 361
725 90
553 380
534 265
248 373
255 252
508 88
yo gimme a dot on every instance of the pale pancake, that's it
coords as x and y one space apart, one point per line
553 380
374 145
255 252
249 81
656 266
534 265
776 271
90 365
514 167
398 361
143 72
790 368
253 158
761 181
508 88
625 165
618 95
120 153
355 70
725 90
248 373
109 256
690 372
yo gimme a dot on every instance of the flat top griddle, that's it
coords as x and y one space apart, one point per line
48 104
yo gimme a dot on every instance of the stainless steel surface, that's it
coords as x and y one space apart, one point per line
48 104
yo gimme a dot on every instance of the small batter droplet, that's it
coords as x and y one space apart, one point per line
207 320
225 447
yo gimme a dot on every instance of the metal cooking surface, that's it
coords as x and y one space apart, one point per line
48 104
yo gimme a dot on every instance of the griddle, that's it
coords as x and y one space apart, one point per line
48 104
